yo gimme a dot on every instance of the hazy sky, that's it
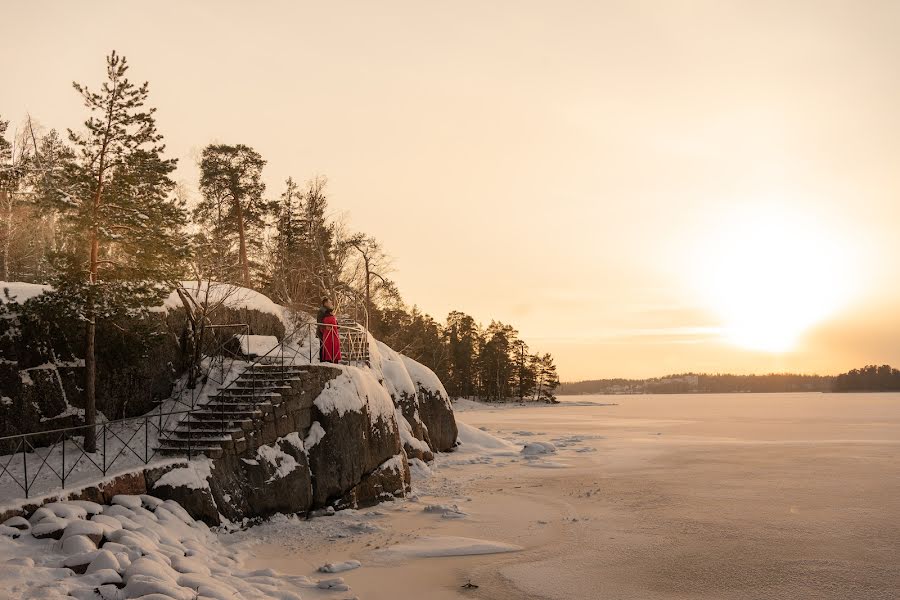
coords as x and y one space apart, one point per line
639 187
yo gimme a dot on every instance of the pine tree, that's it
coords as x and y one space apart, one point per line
233 203
321 274
116 199
548 380
284 280
462 338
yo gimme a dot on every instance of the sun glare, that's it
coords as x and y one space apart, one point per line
771 276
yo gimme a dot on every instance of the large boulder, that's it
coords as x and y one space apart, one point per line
390 480
388 365
188 485
359 433
273 478
434 406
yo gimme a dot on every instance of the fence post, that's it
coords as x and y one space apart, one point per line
62 473
103 432
25 465
146 440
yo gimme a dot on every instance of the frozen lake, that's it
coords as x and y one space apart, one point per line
675 496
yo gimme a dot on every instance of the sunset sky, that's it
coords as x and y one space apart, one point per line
639 187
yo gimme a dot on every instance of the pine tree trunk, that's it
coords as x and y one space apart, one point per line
6 199
245 268
90 360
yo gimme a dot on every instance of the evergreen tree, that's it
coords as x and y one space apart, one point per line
547 378
233 204
284 275
116 200
316 251
462 339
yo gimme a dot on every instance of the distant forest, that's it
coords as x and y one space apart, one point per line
693 383
871 378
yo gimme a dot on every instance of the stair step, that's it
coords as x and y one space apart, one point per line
250 395
210 451
212 423
183 432
208 439
229 405
215 415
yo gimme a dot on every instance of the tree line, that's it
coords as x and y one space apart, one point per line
702 383
95 212
870 378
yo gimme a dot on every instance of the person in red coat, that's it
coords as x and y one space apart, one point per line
327 332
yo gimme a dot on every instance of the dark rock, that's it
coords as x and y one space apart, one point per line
435 409
355 444
196 501
132 483
390 480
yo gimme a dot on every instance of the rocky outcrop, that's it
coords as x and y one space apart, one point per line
434 406
359 433
333 439
390 480
388 366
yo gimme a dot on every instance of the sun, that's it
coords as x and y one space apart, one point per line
771 274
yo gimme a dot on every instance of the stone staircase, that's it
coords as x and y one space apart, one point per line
234 414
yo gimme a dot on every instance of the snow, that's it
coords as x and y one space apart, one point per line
396 378
257 345
406 434
425 378
166 555
473 440
538 448
347 565
439 546
353 390
20 292
314 436
224 294
284 463
194 475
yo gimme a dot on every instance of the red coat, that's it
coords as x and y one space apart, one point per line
330 345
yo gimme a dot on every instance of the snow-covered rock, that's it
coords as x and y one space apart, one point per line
171 557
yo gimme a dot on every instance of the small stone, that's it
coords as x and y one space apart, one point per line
77 544
104 560
79 562
51 527
18 522
87 528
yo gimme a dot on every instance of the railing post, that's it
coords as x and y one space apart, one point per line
146 440
62 472
25 465
103 432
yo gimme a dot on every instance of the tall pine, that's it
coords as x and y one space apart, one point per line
116 199
233 205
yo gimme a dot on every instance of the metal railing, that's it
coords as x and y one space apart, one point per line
118 441
136 440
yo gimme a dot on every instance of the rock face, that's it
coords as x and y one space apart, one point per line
405 396
361 433
435 409
333 440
